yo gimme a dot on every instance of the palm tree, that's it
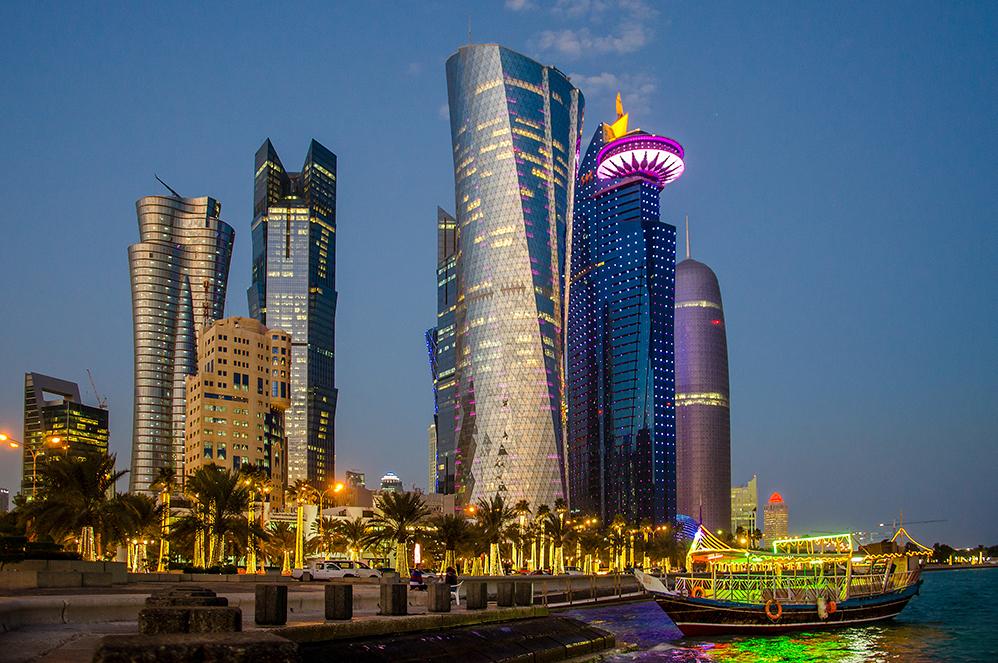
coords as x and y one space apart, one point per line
354 534
494 517
399 515
560 534
77 495
218 497
590 543
166 484
302 492
617 538
539 517
522 510
324 534
281 540
141 520
450 532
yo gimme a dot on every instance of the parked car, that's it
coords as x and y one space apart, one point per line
319 569
573 571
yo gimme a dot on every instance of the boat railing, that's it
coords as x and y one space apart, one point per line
753 588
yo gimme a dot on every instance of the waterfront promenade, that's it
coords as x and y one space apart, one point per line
56 625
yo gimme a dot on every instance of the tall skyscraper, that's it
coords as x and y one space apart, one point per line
703 457
441 343
179 272
515 127
294 289
776 519
237 399
745 506
621 371
57 424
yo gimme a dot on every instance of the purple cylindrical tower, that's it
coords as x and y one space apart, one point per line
703 419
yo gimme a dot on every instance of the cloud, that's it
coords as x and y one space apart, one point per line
637 91
628 19
519 5
444 112
414 68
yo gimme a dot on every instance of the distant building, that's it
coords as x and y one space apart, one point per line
179 270
294 289
56 423
431 458
4 500
775 518
391 483
237 399
744 505
703 416
355 479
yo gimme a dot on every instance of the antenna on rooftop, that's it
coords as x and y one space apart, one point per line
167 186
687 236
469 29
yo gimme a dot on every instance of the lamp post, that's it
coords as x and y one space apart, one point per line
51 441
335 489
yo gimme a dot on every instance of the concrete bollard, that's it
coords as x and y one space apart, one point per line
394 599
390 578
271 605
438 597
504 593
476 595
524 594
339 601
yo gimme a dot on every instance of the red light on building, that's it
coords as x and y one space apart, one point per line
716 323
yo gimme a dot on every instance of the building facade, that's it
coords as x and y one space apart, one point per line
745 506
237 399
776 519
703 417
294 289
57 424
391 483
179 271
515 127
441 343
620 346
431 456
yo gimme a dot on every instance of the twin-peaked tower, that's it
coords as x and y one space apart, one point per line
294 289
620 351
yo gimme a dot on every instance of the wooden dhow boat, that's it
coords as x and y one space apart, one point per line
804 583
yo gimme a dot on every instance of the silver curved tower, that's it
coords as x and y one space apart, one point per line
703 417
516 129
179 270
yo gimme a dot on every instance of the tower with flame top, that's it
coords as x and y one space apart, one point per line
620 352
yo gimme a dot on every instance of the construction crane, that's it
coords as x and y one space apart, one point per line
101 400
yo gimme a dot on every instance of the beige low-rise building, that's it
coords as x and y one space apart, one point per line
237 400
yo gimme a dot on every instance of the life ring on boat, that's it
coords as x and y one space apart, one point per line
831 607
774 616
698 593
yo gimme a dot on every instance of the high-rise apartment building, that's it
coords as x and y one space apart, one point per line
515 129
620 353
440 343
179 271
237 399
776 519
703 417
745 506
57 424
294 289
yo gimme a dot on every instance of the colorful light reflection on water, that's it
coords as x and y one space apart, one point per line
955 618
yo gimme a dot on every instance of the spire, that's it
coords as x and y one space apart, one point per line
620 107
687 236
619 126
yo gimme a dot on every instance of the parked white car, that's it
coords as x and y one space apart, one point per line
319 569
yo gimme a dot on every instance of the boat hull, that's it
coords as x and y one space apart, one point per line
696 617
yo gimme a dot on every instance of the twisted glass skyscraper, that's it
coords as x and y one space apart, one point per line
294 289
179 271
515 127
620 354
702 407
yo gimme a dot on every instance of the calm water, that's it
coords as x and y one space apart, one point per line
955 618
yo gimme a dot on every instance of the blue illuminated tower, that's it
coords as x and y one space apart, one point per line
620 342
440 344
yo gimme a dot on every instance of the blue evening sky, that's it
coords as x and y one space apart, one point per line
841 181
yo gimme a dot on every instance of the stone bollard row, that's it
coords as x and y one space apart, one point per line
271 605
438 597
394 599
523 594
339 601
504 593
476 595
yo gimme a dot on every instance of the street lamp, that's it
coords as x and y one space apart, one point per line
51 441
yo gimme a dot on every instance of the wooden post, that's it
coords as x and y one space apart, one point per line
476 595
438 597
394 599
271 605
339 601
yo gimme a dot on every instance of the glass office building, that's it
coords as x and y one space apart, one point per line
179 270
515 128
440 344
294 289
620 354
703 425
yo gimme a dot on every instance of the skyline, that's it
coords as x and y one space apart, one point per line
875 349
